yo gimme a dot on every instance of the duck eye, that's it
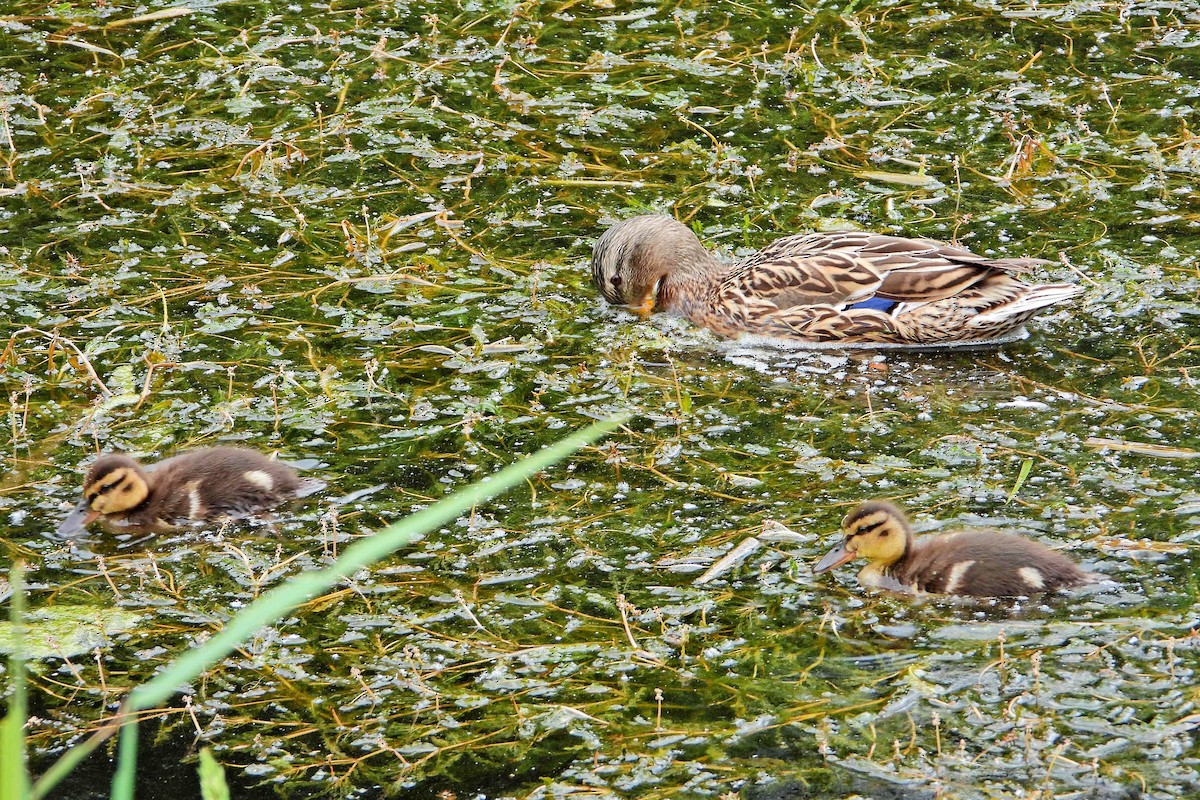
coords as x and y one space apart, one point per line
616 280
105 488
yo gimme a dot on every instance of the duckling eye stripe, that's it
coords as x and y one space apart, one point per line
859 530
105 488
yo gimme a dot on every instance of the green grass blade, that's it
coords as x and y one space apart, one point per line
299 589
212 777
14 779
1026 466
125 781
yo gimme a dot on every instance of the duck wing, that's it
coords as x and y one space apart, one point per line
845 268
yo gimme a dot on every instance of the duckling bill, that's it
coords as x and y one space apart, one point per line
836 289
979 563
199 485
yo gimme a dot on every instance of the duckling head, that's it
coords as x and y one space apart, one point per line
876 531
114 485
642 261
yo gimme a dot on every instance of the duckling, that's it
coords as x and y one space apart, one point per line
841 289
981 563
199 485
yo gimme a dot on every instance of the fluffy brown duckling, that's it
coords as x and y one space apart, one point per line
980 563
199 485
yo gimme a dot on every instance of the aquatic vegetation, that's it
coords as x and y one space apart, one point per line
358 235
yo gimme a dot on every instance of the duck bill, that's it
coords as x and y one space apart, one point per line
834 558
646 307
650 300
77 520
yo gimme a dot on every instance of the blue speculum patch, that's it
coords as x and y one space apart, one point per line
876 304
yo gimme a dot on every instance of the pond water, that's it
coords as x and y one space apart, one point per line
356 234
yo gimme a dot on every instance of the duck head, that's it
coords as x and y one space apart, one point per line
643 261
876 531
115 484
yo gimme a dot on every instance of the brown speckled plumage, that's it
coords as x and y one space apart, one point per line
981 563
201 484
810 288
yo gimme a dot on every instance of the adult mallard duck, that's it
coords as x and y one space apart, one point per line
981 563
199 485
840 289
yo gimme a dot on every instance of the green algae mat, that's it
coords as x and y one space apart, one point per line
357 235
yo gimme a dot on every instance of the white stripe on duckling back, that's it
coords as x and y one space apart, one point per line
259 478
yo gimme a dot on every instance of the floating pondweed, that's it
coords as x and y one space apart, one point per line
361 239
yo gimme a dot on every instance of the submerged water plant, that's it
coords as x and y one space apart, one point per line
358 236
